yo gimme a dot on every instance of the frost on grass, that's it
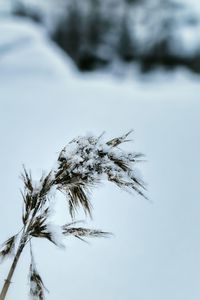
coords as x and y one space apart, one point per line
7 248
56 234
37 288
86 161
80 166
81 233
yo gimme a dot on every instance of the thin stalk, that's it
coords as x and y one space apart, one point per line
22 244
12 268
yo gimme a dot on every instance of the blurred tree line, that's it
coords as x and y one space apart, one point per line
98 33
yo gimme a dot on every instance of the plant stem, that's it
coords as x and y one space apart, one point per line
22 244
12 268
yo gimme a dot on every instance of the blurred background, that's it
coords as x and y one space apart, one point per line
102 33
69 67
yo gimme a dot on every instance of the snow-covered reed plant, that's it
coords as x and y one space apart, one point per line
81 165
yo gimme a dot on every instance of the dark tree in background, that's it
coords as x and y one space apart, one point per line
89 32
97 33
70 30
126 49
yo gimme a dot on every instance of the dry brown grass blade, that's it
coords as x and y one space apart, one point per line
8 247
46 183
38 226
78 198
27 179
81 232
86 160
37 287
117 141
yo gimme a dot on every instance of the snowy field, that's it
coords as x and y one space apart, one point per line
44 103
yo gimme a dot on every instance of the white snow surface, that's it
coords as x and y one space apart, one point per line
44 104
